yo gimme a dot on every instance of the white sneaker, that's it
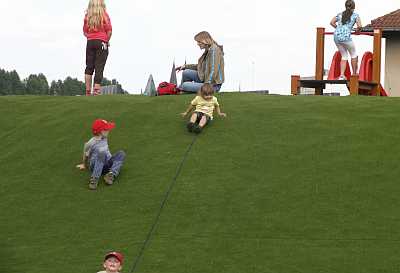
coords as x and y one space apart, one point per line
342 78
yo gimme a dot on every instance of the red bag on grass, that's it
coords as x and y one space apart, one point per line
166 88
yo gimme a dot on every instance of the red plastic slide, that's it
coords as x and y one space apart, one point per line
366 67
366 70
334 71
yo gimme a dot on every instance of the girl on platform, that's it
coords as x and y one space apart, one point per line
343 24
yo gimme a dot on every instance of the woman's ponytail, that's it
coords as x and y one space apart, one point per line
346 15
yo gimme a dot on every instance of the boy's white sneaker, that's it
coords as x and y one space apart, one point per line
109 178
93 182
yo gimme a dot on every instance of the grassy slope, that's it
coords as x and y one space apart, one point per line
285 184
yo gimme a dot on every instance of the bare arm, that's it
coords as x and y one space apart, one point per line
334 22
219 112
188 110
359 24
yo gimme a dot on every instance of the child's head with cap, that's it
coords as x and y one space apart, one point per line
102 127
113 262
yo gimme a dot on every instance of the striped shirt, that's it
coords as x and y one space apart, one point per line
95 146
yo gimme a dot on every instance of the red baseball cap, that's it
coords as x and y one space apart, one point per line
102 125
117 255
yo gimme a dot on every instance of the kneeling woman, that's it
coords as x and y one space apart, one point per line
210 68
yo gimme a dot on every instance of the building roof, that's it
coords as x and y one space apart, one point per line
388 22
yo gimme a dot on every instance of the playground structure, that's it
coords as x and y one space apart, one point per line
367 82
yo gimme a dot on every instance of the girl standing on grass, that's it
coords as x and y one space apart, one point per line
97 29
209 69
343 24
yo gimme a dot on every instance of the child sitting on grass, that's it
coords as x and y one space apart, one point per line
97 156
113 262
203 105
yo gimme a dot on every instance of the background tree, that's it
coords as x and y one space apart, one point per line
37 85
56 88
5 84
17 87
11 84
73 87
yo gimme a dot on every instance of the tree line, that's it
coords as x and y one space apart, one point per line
11 84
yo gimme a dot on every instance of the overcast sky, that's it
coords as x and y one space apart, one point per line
264 41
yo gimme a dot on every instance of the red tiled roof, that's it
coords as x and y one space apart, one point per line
389 21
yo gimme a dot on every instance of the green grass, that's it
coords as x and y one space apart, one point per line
283 185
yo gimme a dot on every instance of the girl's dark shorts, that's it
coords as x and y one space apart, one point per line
96 58
200 115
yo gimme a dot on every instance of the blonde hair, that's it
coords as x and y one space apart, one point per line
205 38
206 89
95 14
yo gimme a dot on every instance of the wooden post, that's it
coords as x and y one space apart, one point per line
295 85
376 63
319 64
354 85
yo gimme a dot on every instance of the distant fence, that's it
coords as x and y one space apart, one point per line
264 92
111 90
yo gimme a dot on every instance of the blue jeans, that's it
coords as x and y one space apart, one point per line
192 83
101 165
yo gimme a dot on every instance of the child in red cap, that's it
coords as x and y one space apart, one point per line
113 262
97 156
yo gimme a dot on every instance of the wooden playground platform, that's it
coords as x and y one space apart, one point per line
368 83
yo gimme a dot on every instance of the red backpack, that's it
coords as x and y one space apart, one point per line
166 88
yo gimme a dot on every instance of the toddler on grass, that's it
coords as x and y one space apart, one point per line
203 105
97 156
